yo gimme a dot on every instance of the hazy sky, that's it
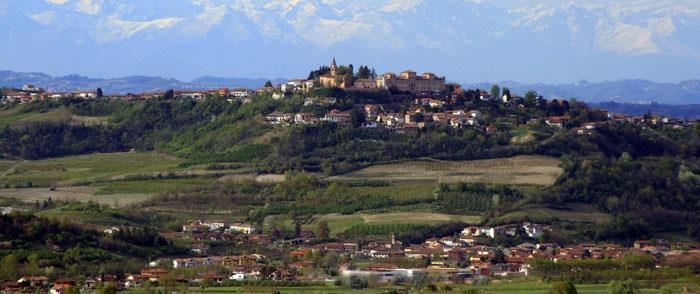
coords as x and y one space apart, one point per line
466 40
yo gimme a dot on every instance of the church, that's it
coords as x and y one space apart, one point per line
334 80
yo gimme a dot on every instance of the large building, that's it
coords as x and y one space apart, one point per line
334 80
408 81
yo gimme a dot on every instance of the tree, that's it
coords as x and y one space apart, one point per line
107 288
99 92
268 84
495 92
8 267
323 230
506 92
498 257
169 95
563 288
356 117
33 266
530 98
297 226
364 72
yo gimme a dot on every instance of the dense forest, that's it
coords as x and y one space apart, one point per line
71 250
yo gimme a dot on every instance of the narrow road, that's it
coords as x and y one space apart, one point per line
12 169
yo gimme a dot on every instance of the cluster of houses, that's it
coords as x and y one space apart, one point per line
388 116
588 128
217 225
30 93
460 259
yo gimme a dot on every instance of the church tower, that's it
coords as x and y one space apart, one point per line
334 68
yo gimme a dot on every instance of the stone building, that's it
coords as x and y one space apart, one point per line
334 80
408 81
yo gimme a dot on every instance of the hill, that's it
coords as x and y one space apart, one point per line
687 111
622 91
124 85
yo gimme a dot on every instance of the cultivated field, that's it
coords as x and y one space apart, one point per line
401 192
83 194
85 169
518 170
548 215
338 223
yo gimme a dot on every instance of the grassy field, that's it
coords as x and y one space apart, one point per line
548 214
16 117
518 170
72 170
522 135
148 186
401 192
10 116
82 194
6 165
54 115
338 223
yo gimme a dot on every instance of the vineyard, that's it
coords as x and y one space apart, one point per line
518 170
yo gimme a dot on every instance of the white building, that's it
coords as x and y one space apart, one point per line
242 228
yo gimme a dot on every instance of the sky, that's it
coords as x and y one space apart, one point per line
466 40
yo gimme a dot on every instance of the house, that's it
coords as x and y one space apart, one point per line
372 111
85 94
297 86
282 274
384 275
34 281
241 93
199 248
196 95
61 284
154 274
242 228
31 88
364 84
11 287
264 90
277 117
474 114
278 95
337 116
56 96
533 230
305 118
112 230
557 121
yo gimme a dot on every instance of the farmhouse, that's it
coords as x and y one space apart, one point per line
338 116
243 228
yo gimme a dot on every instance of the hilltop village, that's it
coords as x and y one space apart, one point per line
260 248
400 102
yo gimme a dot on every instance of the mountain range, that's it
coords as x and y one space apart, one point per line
558 41
130 84
623 91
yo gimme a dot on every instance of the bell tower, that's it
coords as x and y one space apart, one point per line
334 68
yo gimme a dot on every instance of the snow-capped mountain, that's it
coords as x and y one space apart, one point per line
466 40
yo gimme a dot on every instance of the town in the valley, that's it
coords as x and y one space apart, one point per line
223 253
